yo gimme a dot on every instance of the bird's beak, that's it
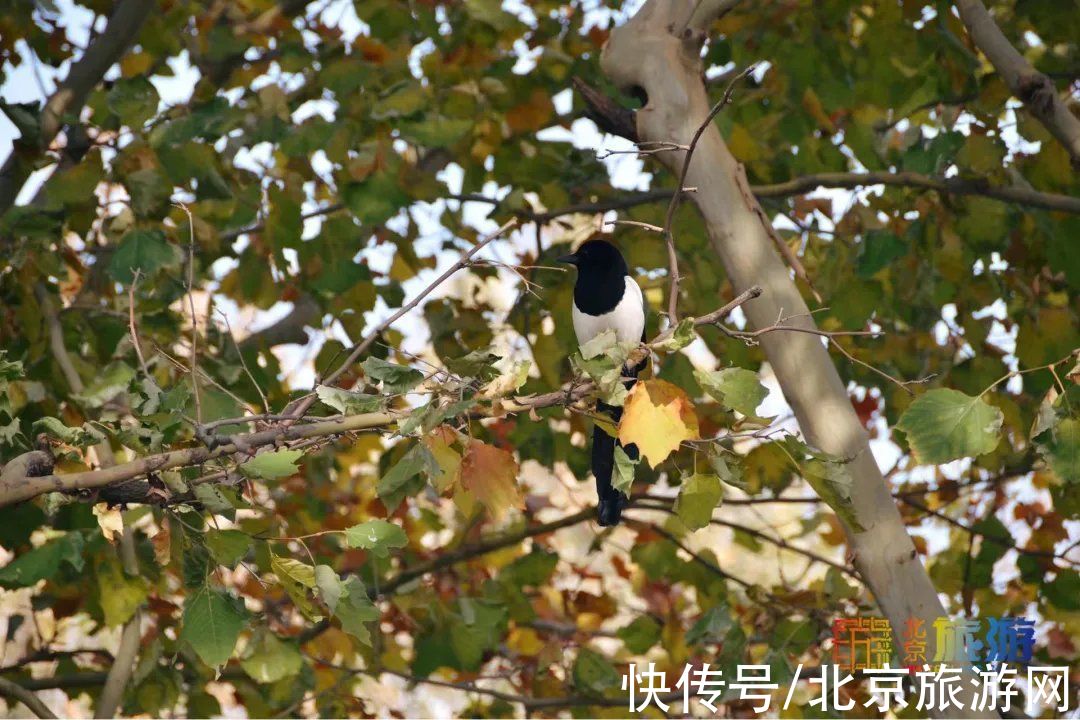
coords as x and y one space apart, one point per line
568 259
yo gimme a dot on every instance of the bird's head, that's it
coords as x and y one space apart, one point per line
597 256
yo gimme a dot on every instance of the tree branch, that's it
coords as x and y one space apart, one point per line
18 484
465 552
106 49
17 692
953 186
1032 87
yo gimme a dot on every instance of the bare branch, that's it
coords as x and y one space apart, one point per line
132 327
953 186
362 347
27 698
194 364
669 218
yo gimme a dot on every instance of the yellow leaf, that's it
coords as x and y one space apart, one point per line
110 522
489 474
812 104
525 642
657 417
448 459
743 145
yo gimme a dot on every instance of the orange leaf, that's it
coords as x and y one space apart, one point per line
657 417
490 476
532 115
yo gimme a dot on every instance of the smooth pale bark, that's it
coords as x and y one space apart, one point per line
1034 89
653 51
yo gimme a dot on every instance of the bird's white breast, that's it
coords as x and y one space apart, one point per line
627 318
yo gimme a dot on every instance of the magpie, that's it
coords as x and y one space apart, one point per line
607 298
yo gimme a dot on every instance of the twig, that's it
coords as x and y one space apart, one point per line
362 347
243 363
27 698
194 321
753 532
1006 542
669 218
132 327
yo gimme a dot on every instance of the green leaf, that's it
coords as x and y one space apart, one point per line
133 100
1064 591
26 117
272 465
837 586
211 498
227 547
479 628
268 659
878 249
623 477
43 562
735 387
532 569
350 403
640 635
9 370
713 626
732 475
145 250
1061 449
409 100
832 482
395 378
602 359
478 364
378 536
698 497
348 601
118 594
593 673
80 437
297 578
212 622
110 382
434 414
328 585
411 464
684 335
944 425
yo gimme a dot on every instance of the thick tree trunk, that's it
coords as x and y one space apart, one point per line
658 52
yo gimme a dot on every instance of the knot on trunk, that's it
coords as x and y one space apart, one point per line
1036 91
35 463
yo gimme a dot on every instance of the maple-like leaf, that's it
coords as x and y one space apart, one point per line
657 417
489 474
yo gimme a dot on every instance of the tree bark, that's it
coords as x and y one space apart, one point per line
70 96
1032 87
658 51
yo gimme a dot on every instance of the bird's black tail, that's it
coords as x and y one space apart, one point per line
610 501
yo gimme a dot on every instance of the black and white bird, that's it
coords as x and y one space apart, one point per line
607 298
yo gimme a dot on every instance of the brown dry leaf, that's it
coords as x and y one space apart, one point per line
489 474
162 542
531 115
658 416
